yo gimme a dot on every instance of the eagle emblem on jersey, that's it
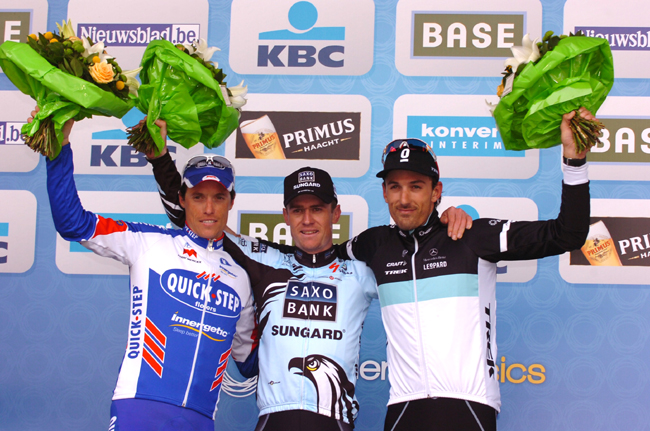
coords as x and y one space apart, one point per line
333 389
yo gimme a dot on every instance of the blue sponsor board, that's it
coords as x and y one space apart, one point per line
154 219
138 34
4 229
621 38
10 133
460 136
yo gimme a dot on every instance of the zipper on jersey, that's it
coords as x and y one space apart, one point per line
198 341
423 364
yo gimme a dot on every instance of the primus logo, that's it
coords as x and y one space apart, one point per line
14 26
138 34
621 38
315 301
10 133
460 136
466 35
623 141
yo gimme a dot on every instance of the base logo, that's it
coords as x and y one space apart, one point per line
463 134
291 37
17 230
279 133
271 227
461 38
14 25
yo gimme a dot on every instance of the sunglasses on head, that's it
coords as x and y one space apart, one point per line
411 144
204 160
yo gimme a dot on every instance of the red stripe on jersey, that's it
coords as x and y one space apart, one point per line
149 342
224 356
158 335
216 383
107 226
221 369
158 369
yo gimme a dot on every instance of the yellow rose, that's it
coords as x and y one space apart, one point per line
102 72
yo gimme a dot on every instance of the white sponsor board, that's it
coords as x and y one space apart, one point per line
463 134
19 18
461 38
353 205
126 26
623 23
301 103
624 145
638 246
72 258
15 156
290 37
100 148
17 230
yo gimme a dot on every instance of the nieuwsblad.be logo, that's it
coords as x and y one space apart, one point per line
138 34
303 37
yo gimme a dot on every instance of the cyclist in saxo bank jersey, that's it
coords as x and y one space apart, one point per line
191 304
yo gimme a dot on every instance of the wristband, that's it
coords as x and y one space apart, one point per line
574 162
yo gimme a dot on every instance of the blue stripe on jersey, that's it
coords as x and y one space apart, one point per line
444 286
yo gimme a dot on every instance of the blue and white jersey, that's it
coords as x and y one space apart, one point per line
310 311
191 304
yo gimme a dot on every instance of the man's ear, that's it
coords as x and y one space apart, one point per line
285 213
337 214
181 200
383 186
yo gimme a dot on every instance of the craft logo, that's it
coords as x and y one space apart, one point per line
466 35
299 135
4 245
460 136
615 241
10 133
271 227
624 141
138 34
620 38
201 291
302 38
310 301
14 26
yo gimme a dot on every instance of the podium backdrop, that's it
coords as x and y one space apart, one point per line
338 80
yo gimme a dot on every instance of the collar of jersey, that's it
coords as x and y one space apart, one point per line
315 260
426 228
202 242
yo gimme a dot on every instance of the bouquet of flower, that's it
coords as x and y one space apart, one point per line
183 87
69 78
547 79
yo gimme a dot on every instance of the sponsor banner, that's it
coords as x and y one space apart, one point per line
280 133
310 301
126 35
625 26
101 148
72 258
617 250
624 150
290 37
437 38
462 133
17 230
504 209
15 156
18 19
260 216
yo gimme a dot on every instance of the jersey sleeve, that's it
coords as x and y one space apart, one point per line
169 183
363 246
496 240
246 339
117 239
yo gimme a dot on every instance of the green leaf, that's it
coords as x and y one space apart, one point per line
77 67
547 35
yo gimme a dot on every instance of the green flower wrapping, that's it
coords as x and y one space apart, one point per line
59 95
579 71
180 90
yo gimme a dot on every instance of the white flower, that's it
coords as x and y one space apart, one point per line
202 49
523 54
238 95
97 49
131 82
66 30
190 48
491 106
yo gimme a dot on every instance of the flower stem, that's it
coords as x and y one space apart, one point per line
41 141
585 132
140 139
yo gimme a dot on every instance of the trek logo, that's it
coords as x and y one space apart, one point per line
138 34
195 290
621 38
314 301
10 133
466 35
396 271
14 26
4 245
302 37
624 140
460 136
